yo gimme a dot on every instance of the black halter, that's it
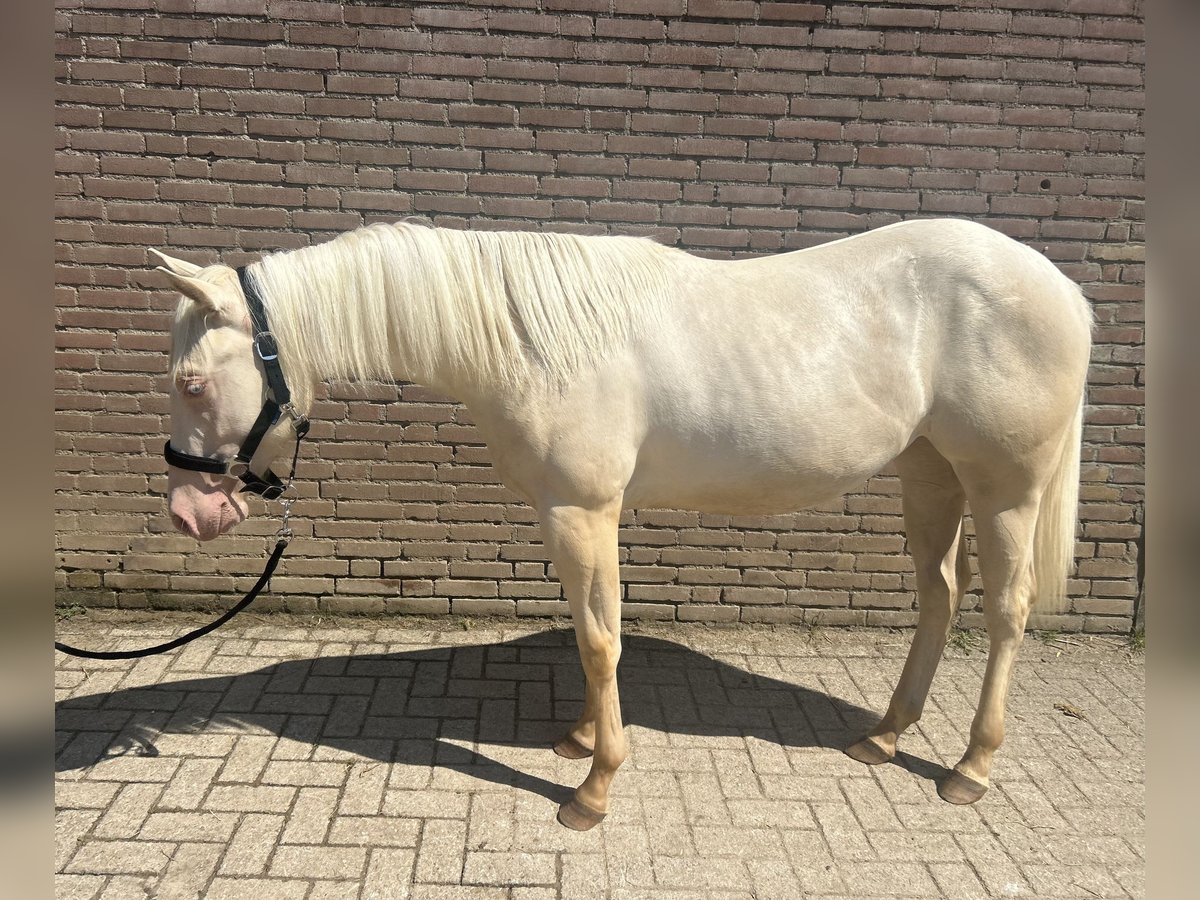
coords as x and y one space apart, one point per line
278 400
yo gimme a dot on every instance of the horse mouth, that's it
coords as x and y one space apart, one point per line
229 517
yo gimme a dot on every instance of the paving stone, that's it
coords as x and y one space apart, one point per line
957 880
125 815
389 874
189 872
992 864
327 862
915 846
305 773
269 783
442 852
128 887
189 826
252 844
1071 881
772 881
375 831
70 827
458 892
310 817
344 890
699 873
362 794
77 887
488 867
426 804
490 823
843 833
121 857
584 877
889 879
544 893
190 784
762 843
256 888
250 798
249 757
84 794
140 769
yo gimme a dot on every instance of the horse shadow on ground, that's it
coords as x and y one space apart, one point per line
420 706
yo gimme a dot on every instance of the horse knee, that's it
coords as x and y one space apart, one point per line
599 655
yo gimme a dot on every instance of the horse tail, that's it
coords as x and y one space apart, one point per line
1054 533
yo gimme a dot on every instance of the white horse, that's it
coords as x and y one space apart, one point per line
608 373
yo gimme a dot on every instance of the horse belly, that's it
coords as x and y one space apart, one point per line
748 480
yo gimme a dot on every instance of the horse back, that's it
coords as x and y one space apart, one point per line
775 383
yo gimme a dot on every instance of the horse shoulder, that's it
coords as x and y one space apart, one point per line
575 444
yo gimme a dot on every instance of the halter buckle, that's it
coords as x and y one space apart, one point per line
265 346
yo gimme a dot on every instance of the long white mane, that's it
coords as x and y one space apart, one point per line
445 304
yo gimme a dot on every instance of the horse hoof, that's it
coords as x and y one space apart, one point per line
579 817
569 748
960 789
868 752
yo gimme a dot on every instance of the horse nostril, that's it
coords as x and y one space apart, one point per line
182 524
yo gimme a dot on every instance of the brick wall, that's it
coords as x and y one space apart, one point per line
219 129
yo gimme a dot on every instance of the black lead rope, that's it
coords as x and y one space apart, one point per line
268 486
272 562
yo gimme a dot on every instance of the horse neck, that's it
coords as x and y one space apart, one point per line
349 313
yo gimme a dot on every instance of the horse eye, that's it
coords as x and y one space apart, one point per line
195 388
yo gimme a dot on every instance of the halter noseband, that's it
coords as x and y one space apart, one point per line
278 400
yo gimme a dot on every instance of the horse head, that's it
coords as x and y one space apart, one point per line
217 389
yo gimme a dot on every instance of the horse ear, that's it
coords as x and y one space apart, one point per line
201 292
178 266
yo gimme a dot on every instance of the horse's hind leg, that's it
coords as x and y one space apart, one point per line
582 543
1005 522
580 738
933 511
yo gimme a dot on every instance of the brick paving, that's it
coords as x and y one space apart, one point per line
291 757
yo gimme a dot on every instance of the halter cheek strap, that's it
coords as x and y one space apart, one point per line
278 400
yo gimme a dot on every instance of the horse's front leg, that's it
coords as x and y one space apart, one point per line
582 543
